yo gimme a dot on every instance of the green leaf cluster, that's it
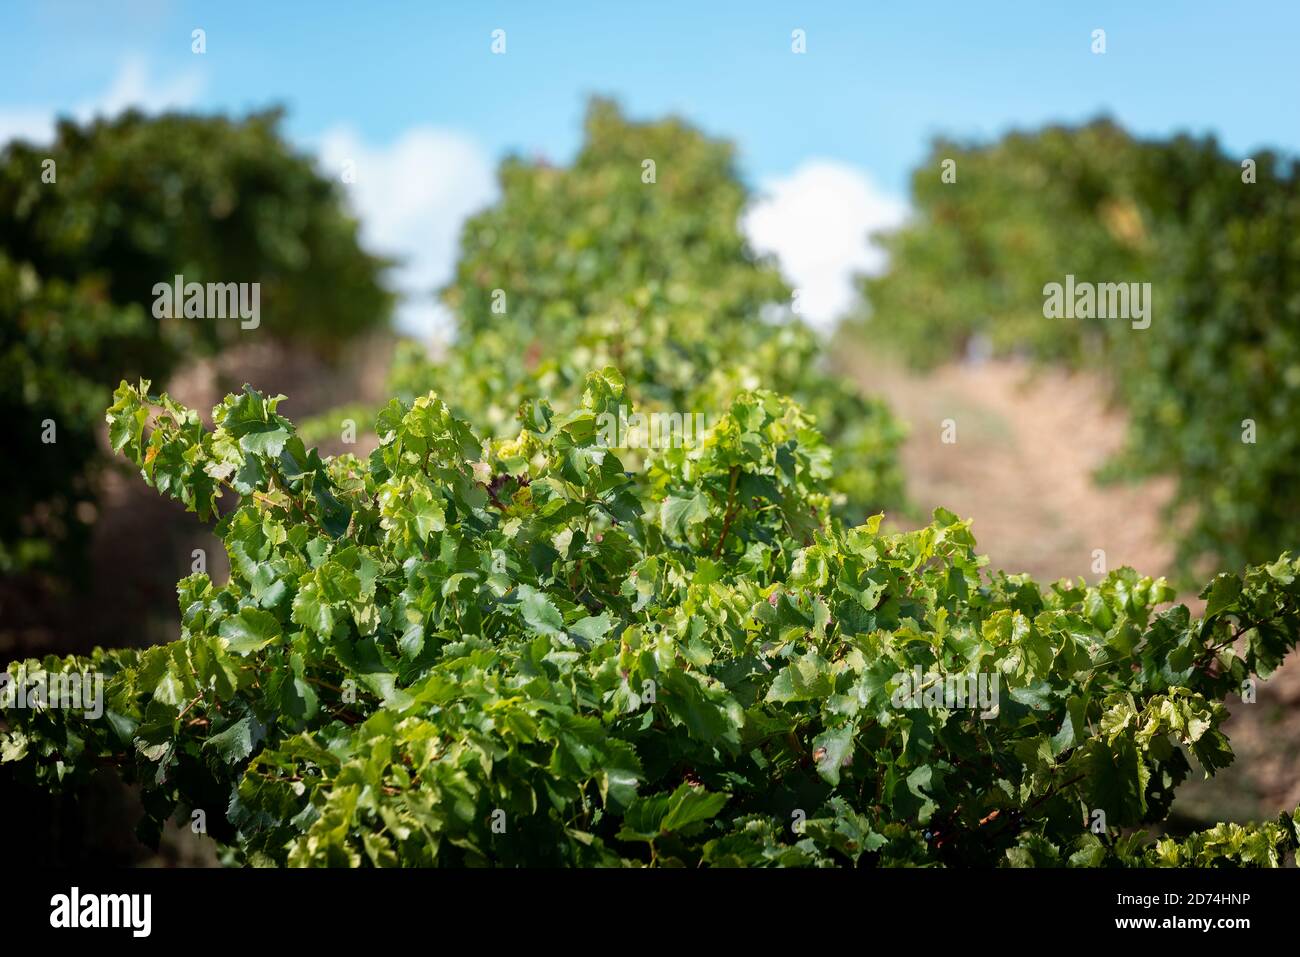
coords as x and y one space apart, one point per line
583 266
469 650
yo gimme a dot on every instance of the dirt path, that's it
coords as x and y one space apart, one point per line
1021 465
1027 445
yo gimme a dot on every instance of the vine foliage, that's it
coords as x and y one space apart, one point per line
467 650
581 266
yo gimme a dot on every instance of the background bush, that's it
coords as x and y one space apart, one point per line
590 266
135 202
1223 257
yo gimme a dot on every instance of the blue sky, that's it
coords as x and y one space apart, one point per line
411 91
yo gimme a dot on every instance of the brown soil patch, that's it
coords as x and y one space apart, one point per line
1028 444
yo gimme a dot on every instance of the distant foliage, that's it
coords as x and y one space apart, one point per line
1223 258
131 202
471 651
586 265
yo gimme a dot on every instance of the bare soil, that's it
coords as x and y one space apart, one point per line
1028 443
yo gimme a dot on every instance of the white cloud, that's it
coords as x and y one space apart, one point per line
26 123
817 221
133 87
412 197
130 86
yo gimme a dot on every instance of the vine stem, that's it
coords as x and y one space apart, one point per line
197 699
1019 818
731 512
